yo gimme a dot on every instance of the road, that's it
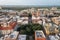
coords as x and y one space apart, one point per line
16 27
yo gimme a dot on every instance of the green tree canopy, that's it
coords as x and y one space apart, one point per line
29 29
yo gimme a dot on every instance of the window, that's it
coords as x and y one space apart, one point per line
38 34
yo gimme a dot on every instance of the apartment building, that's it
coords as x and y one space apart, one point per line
56 20
6 25
39 35
11 36
51 28
36 17
12 13
57 12
23 18
53 8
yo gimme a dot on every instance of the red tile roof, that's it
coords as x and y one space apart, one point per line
12 25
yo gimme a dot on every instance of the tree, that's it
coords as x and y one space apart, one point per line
29 29
30 18
59 29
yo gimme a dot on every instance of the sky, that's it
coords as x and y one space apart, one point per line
29 2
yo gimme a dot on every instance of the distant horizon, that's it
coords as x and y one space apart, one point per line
33 5
31 2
